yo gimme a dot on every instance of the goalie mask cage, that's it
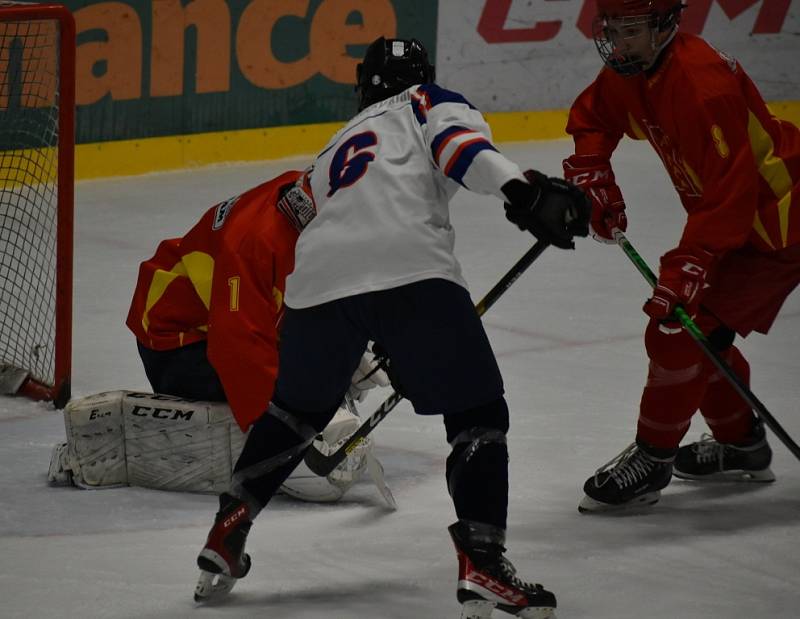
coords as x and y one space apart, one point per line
37 116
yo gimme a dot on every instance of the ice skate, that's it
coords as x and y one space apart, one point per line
633 479
222 561
709 460
487 580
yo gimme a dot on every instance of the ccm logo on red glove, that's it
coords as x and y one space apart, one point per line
682 280
594 175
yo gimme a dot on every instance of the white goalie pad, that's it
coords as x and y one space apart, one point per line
128 438
151 440
305 485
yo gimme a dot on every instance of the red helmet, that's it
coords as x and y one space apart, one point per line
632 8
660 16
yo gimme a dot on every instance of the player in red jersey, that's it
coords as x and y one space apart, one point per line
207 308
736 169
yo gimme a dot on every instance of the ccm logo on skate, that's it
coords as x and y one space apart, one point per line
507 593
234 517
161 413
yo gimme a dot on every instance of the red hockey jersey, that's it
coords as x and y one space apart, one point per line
735 166
224 282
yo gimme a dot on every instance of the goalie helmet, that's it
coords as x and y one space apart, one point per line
389 67
617 20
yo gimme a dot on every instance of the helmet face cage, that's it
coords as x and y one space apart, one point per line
655 23
389 67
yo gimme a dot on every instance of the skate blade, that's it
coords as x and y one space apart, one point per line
763 476
589 506
212 587
477 609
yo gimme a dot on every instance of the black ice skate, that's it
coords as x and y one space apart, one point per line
633 479
486 579
709 460
222 561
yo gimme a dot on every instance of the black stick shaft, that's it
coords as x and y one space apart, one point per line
323 464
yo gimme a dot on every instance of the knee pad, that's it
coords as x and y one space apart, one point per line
476 435
477 467
671 349
471 451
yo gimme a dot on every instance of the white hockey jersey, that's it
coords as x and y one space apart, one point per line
382 187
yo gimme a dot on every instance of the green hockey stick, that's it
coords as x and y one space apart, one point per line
698 336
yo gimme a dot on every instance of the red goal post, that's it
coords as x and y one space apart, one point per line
37 145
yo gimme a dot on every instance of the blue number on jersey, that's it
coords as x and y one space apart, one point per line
347 167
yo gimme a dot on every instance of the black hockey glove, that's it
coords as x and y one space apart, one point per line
550 208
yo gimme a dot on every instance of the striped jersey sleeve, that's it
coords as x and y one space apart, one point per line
460 141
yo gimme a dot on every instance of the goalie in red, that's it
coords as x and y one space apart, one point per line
207 308
736 169
205 313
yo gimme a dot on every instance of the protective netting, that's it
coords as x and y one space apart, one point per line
28 195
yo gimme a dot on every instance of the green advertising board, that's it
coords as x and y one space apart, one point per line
172 67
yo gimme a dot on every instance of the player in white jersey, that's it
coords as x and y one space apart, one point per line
377 264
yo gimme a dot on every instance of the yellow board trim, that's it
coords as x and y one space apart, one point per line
130 157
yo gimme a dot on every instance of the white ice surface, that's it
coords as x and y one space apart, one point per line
568 339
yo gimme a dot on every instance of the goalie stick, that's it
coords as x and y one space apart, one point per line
701 340
322 464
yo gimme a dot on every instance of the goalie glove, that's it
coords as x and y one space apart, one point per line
594 175
305 485
367 376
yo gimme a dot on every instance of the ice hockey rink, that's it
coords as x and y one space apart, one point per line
568 336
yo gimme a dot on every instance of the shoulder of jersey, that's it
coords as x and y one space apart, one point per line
426 97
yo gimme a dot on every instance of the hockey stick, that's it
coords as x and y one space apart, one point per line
322 464
698 336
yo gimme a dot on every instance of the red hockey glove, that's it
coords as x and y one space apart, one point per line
681 280
594 175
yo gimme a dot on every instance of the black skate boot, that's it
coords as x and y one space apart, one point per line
486 579
222 560
709 460
633 479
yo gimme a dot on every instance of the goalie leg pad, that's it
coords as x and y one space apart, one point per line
94 456
477 467
172 443
150 440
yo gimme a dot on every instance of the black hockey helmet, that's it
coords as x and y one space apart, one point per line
389 67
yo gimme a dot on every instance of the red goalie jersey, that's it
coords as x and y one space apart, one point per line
223 282
735 166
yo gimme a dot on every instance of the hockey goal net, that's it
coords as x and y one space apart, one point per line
37 102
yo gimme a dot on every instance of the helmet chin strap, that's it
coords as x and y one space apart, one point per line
657 49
